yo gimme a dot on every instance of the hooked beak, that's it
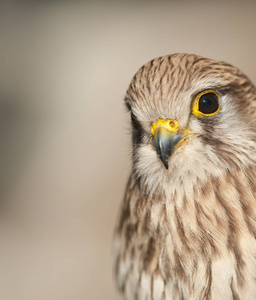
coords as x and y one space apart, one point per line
165 142
167 137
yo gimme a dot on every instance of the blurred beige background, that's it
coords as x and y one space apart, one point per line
64 133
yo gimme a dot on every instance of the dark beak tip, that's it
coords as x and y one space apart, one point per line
164 159
164 142
166 165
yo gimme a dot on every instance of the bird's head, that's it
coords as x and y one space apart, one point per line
192 118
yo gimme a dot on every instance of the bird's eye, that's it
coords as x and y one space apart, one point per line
206 103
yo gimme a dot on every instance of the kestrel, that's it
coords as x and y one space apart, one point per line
187 226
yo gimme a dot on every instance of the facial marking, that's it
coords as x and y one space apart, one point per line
194 93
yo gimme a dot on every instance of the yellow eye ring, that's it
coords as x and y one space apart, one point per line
206 103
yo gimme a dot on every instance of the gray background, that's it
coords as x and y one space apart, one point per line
64 134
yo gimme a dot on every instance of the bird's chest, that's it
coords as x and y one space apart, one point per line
185 259
215 279
195 245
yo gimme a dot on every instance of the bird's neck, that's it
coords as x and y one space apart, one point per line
203 218
184 233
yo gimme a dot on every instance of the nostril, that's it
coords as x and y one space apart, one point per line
172 124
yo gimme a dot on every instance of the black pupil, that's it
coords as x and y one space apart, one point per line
208 103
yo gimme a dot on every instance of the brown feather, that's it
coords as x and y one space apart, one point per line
182 235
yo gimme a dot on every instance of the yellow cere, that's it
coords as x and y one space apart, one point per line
171 125
195 104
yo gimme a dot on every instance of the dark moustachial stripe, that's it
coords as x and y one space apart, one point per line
137 133
127 103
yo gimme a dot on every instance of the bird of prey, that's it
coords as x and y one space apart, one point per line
187 226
